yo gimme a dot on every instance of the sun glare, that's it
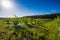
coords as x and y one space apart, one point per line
6 4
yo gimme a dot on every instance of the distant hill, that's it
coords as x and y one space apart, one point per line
46 16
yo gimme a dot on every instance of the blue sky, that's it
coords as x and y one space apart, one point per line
33 7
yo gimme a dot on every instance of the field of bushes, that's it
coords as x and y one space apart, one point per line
29 29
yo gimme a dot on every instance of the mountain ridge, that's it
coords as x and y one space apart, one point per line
47 16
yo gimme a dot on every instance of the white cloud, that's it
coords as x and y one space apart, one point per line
53 11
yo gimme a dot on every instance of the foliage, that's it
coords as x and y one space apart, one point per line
29 29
